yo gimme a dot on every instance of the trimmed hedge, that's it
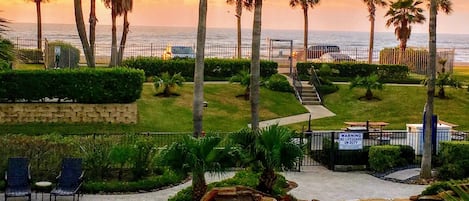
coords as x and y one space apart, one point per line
352 70
214 69
385 157
30 56
278 82
455 160
117 85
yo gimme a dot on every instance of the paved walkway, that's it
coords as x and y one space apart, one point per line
316 112
314 182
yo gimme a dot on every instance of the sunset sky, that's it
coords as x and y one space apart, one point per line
334 15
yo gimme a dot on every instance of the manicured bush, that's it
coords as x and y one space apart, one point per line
352 70
382 158
69 55
214 69
407 155
30 56
154 182
278 82
455 160
327 89
342 157
241 178
116 85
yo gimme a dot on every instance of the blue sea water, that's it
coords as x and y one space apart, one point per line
160 36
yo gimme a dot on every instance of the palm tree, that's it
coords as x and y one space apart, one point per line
426 164
127 6
198 100
88 48
3 26
118 8
197 155
244 78
370 82
168 82
239 11
402 14
371 4
305 4
271 148
39 21
255 63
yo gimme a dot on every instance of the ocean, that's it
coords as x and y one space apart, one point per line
221 42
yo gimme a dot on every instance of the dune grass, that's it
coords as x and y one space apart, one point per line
398 105
225 112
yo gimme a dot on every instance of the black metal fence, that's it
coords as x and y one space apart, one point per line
323 148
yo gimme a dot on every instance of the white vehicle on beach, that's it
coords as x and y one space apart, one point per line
174 52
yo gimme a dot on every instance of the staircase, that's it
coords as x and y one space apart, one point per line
309 95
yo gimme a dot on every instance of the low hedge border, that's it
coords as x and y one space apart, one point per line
116 85
455 160
153 183
348 71
214 69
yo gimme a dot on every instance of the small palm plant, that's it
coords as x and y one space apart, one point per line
244 79
270 149
196 155
370 82
168 82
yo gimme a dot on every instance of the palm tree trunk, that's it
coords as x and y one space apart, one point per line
239 12
402 47
305 33
114 39
199 70
369 94
93 20
255 65
125 32
81 30
372 33
267 181
426 165
39 25
199 185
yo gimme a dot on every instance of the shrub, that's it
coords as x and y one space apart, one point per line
343 157
154 182
352 70
116 85
4 65
327 89
382 158
69 55
455 160
214 69
241 178
407 155
6 53
278 82
30 56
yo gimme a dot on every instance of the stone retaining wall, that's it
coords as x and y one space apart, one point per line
13 113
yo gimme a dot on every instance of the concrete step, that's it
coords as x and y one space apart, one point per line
311 103
310 98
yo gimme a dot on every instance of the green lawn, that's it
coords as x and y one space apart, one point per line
461 73
225 112
399 105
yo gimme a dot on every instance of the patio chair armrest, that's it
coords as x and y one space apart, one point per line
29 172
6 177
58 176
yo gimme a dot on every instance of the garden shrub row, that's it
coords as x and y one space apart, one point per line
30 56
241 178
6 53
348 71
278 82
105 158
386 157
116 85
454 157
214 69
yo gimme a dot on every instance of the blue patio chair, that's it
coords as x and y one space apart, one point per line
69 180
18 178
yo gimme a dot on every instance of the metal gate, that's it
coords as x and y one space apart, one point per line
281 51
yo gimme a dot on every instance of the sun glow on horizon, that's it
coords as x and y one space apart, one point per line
339 15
